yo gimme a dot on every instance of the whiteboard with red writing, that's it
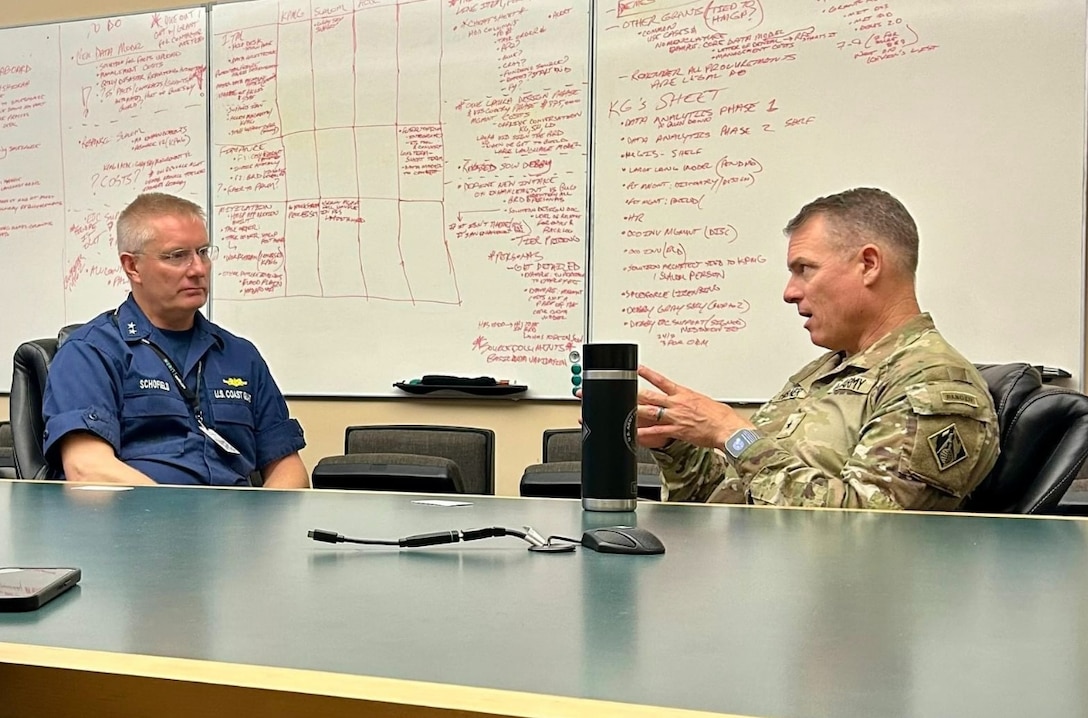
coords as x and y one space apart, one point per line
399 188
716 121
91 114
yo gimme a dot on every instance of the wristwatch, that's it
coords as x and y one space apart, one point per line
738 442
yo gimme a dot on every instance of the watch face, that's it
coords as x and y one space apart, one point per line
738 444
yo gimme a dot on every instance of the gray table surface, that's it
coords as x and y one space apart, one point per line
752 611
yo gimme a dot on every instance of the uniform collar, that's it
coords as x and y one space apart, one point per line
135 326
834 362
892 342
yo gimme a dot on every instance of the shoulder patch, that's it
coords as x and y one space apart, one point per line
947 447
959 397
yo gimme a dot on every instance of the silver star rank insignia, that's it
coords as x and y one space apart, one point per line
132 327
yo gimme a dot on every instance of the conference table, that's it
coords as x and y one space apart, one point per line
198 601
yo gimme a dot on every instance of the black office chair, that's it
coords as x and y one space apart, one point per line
566 445
406 457
31 367
7 452
389 472
1043 439
560 474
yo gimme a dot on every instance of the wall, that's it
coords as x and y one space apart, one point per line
518 425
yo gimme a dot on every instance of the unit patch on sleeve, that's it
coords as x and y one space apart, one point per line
947 447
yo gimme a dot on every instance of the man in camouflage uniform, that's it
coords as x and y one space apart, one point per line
892 417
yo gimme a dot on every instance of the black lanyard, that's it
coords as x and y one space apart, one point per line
192 398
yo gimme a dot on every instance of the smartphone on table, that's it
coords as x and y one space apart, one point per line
30 588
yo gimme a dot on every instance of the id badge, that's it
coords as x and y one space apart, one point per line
218 439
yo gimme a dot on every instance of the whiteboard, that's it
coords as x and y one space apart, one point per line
399 189
31 190
716 121
91 114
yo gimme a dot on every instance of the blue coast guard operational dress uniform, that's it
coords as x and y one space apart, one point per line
107 380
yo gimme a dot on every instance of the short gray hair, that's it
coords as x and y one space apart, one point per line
862 215
134 230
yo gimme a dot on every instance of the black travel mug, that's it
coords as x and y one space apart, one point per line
609 426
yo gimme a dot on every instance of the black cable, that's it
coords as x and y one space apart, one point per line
443 537
333 537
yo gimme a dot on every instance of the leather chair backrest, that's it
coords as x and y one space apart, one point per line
563 480
65 332
566 445
7 453
389 472
1043 439
31 368
559 475
472 449
1010 385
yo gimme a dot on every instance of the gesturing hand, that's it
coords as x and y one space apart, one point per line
677 412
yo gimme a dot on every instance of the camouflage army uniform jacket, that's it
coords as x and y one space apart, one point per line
906 424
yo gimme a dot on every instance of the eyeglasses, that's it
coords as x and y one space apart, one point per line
184 257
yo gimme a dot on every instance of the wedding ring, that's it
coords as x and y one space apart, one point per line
660 413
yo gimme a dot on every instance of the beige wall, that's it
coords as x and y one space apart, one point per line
26 12
518 425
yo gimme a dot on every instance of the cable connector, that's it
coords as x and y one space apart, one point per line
439 537
326 536
535 540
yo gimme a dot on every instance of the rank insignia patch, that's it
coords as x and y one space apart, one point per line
947 447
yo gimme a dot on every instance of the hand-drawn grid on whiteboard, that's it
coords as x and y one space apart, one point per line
405 180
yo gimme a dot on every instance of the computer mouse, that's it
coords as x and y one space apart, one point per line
622 539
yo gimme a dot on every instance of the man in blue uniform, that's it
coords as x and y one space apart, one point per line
152 392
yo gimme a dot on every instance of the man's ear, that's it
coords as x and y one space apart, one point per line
128 265
872 263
